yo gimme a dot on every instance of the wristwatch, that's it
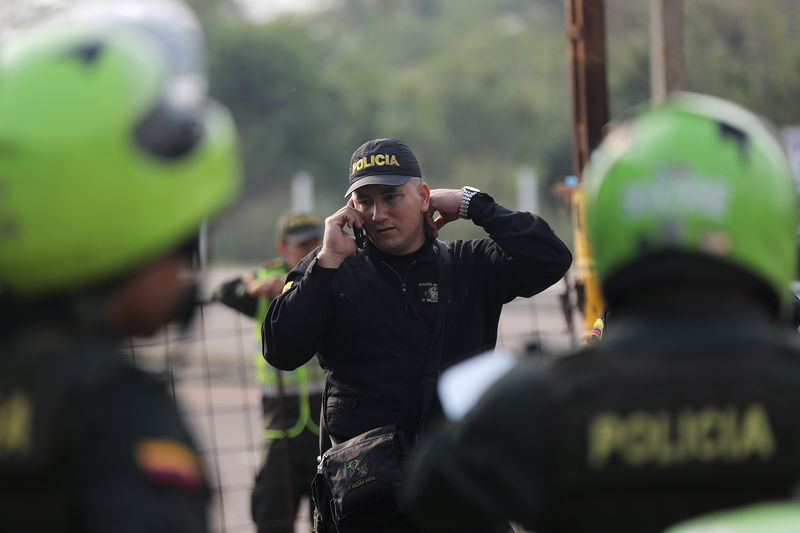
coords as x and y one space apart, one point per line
469 192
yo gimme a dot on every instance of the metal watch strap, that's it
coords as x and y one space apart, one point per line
467 194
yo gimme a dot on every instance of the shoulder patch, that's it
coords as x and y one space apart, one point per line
169 462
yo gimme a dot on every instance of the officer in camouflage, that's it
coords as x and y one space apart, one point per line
111 157
291 399
687 405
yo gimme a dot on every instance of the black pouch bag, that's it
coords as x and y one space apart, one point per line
358 481
364 476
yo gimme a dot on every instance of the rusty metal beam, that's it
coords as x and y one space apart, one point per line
586 32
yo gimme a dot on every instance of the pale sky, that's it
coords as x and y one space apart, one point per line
263 10
15 14
18 13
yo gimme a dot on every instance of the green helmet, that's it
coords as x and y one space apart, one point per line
110 152
695 175
770 517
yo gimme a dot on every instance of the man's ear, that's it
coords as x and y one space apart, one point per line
425 196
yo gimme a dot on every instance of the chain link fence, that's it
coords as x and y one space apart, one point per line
210 370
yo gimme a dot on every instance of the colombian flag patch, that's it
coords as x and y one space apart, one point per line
169 462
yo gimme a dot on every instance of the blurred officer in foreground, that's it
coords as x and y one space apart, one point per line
291 400
111 157
688 404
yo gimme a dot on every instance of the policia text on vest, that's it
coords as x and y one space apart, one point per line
692 434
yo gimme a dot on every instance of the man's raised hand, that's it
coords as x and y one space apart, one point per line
337 244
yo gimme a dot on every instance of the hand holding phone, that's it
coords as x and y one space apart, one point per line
358 233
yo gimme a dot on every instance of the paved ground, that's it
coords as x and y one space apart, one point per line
210 368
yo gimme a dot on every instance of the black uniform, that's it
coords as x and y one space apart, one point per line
371 320
673 415
89 443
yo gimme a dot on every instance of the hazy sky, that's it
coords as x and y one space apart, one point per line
15 14
267 9
18 13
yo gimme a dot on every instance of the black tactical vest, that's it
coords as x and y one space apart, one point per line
645 441
45 399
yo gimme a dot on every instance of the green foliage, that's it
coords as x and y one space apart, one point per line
270 78
747 52
737 49
477 88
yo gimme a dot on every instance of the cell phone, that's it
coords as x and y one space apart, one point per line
358 233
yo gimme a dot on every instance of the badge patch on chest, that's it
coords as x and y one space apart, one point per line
428 293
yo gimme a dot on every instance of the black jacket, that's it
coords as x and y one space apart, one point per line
673 415
371 320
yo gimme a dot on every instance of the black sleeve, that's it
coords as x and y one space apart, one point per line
488 467
605 316
523 254
297 319
233 293
139 466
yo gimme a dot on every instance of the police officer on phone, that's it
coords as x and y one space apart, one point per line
687 405
369 313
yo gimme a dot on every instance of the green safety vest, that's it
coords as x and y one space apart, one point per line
297 380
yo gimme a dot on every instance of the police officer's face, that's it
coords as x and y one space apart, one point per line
294 252
393 216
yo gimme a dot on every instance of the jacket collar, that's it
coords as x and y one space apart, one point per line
428 252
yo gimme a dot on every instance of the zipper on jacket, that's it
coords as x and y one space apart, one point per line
403 283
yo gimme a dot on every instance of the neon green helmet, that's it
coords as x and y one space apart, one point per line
110 152
769 517
696 175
